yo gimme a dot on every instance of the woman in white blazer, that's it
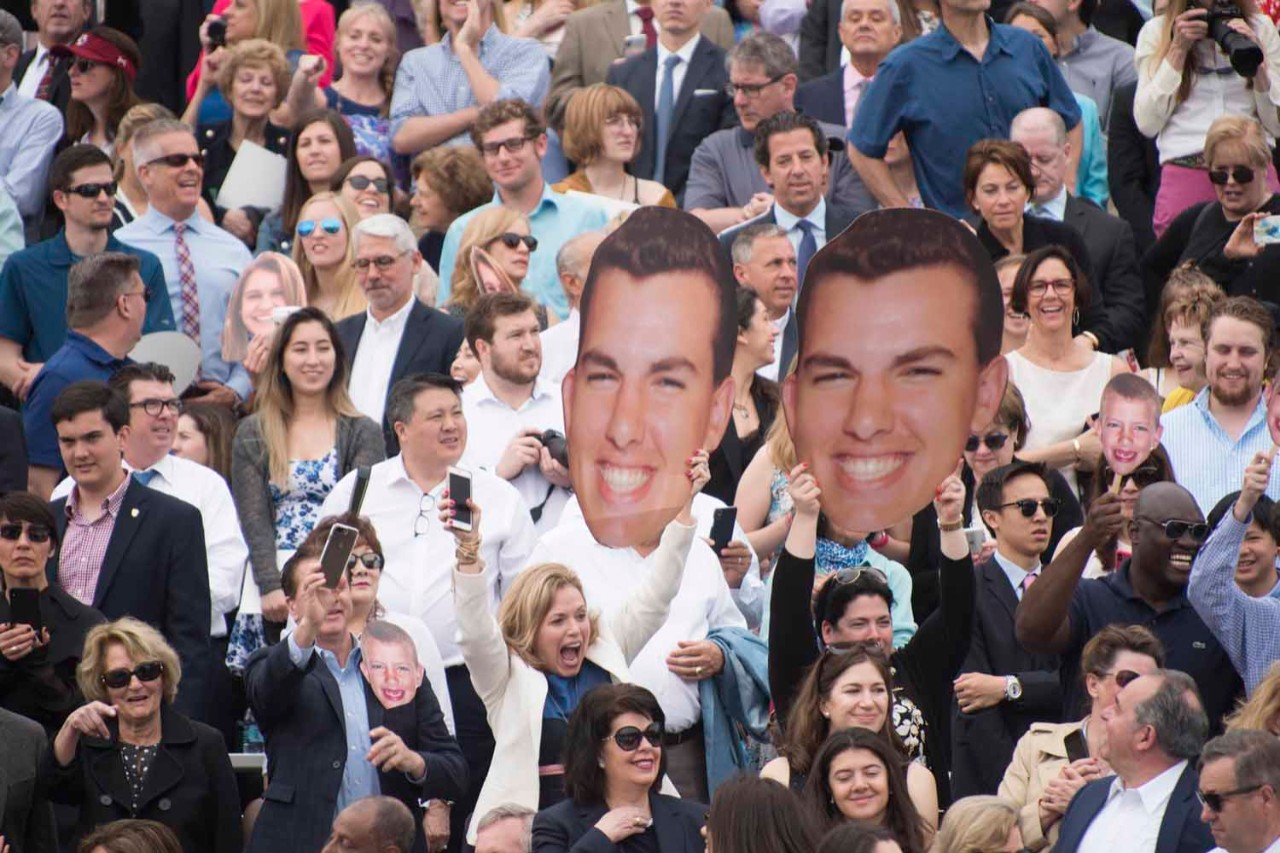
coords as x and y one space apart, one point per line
546 650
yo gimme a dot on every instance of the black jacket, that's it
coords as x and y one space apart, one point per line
820 41
823 97
13 452
1181 830
732 457
1111 247
215 145
1133 168
26 818
190 787
569 827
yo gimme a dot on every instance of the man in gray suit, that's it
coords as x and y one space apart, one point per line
26 818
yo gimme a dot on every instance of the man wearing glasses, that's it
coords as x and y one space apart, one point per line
1240 791
1003 689
1060 612
33 282
512 140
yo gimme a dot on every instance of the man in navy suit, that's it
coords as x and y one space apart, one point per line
1155 730
699 104
397 336
1240 790
128 550
869 29
765 261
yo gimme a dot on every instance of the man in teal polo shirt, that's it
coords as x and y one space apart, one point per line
33 282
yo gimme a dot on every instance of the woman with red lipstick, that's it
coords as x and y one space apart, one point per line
545 650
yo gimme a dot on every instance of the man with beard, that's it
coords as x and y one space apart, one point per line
1061 612
1213 440
508 408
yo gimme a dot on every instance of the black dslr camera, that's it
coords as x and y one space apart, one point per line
556 444
1245 56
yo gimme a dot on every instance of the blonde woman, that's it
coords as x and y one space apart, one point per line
323 251
127 754
979 825
763 501
303 437
602 133
504 238
545 650
1262 711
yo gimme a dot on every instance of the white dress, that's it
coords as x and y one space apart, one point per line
1059 402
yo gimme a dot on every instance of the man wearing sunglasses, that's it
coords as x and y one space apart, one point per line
1002 688
1061 612
33 282
1155 731
1240 791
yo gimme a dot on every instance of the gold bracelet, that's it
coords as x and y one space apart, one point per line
466 552
950 526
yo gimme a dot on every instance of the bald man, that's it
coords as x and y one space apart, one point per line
372 825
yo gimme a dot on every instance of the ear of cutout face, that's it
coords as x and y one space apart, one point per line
489 276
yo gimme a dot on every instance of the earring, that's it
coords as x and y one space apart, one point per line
1075 317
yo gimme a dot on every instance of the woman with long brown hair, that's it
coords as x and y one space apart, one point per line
104 65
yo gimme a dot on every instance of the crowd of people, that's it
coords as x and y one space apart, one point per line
631 562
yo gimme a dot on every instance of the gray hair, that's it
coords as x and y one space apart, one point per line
895 11
385 225
94 283
573 257
744 245
1176 714
1256 754
144 138
10 30
1036 118
510 811
766 50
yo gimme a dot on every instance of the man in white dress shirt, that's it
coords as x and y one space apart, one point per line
1154 731
560 342
1240 791
765 261
509 407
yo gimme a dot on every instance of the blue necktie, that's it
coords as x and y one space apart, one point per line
145 477
808 247
666 107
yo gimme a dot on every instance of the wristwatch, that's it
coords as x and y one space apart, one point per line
1012 688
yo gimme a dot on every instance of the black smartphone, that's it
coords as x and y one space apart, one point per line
217 32
24 607
460 493
337 553
722 522
1077 747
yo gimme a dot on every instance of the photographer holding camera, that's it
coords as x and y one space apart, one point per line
1200 60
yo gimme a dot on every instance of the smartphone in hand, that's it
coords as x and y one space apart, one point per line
723 520
337 553
460 493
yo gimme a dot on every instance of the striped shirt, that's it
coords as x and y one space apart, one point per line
84 545
1207 461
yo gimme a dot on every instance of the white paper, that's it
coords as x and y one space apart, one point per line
255 179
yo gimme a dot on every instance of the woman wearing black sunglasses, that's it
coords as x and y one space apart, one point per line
1054 760
367 183
613 766
494 254
128 754
37 668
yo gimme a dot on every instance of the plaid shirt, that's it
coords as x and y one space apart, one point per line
84 545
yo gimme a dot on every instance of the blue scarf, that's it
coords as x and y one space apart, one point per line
831 556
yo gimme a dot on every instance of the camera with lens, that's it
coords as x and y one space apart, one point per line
1245 56
557 445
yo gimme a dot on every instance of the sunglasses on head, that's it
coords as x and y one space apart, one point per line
360 182
93 190
1214 801
1028 506
628 737
511 240
36 533
993 440
177 161
368 559
1198 531
120 678
329 225
1240 174
848 576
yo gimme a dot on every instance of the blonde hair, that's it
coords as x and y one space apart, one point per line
235 337
254 53
526 604
585 117
1165 42
140 640
351 298
135 118
373 9
1262 711
782 450
978 824
1243 131
280 22
485 227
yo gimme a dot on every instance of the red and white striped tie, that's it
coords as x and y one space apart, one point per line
187 276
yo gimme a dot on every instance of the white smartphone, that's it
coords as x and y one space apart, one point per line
279 315
976 537
460 493
1266 231
633 45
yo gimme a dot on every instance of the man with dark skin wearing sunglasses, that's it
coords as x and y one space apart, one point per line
1061 612
1003 689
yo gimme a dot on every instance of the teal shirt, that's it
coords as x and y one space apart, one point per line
1091 178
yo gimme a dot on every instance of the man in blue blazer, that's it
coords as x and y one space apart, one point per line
1155 730
330 742
869 29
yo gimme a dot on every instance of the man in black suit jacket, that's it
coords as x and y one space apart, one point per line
1108 240
869 29
421 339
700 105
301 691
1003 689
26 818
1156 757
153 566
1133 168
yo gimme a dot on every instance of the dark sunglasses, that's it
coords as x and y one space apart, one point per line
514 144
119 678
1198 531
368 559
84 66
511 240
154 406
1141 477
1028 506
329 225
628 737
93 190
177 161
37 534
1215 800
993 440
360 182
1241 174
1124 677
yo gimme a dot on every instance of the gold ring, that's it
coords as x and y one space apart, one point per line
697 670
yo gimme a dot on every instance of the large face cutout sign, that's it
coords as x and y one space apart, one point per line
270 282
651 384
1128 423
391 668
900 321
